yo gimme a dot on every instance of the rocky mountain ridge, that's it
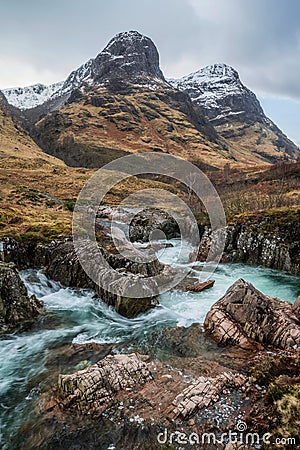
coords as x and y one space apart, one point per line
235 111
219 91
127 54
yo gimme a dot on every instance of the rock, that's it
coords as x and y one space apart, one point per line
202 393
246 317
93 389
61 264
186 342
146 222
76 355
143 223
15 306
64 266
198 287
237 446
271 239
128 54
265 368
296 307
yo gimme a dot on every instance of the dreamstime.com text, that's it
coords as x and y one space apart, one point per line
241 436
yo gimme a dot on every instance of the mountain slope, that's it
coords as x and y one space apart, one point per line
17 149
38 190
235 112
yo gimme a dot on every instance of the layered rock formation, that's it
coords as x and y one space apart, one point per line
99 387
16 308
247 318
94 389
202 393
61 263
270 239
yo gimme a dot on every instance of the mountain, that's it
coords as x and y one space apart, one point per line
128 54
120 102
235 112
17 148
39 191
38 94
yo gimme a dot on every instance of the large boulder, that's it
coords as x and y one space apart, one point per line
15 305
61 263
95 388
146 222
247 318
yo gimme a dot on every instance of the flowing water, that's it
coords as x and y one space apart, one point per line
79 318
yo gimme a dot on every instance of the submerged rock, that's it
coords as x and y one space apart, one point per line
184 342
246 317
15 305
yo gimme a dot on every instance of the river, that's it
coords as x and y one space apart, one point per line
77 317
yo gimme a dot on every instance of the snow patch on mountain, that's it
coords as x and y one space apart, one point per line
31 96
129 38
78 76
37 94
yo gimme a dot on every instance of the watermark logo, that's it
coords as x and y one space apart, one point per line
241 426
238 436
104 180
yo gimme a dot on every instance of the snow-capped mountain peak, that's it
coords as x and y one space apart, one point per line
37 94
218 90
128 56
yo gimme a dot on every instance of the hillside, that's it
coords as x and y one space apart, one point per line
38 191
17 149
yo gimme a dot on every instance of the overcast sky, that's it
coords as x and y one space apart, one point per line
43 41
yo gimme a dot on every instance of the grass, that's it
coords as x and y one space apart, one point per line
281 407
37 205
